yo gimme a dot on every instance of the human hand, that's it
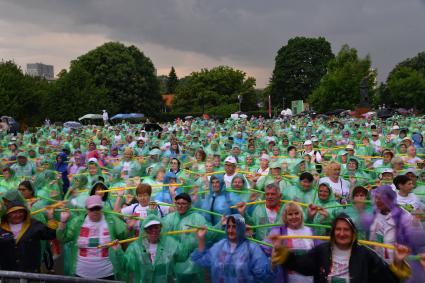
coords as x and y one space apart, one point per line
400 253
200 233
65 215
241 208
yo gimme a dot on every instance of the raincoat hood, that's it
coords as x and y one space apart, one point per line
347 219
240 227
150 217
330 198
387 195
222 184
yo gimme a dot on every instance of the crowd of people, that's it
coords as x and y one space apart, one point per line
202 200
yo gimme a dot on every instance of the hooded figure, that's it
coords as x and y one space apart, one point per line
165 195
150 260
391 224
20 238
217 200
325 215
341 259
61 166
234 259
418 141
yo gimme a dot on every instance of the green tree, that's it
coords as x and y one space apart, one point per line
407 88
416 63
124 75
76 94
340 87
22 95
215 91
299 66
172 81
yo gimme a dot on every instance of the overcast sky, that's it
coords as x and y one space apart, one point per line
195 34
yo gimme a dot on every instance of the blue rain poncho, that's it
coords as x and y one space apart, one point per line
246 263
164 195
216 202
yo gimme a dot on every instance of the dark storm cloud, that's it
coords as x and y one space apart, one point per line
244 31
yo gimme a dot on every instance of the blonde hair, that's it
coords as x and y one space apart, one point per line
331 166
289 206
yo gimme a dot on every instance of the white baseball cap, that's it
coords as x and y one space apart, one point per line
230 159
265 156
349 146
151 223
308 142
93 159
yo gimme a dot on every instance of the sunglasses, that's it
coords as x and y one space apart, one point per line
96 208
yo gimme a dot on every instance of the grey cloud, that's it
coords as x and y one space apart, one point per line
245 31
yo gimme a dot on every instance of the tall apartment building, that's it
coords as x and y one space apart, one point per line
41 70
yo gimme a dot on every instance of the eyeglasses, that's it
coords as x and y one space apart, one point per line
96 208
182 203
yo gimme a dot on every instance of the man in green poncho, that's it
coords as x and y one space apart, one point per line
24 167
268 213
185 269
152 257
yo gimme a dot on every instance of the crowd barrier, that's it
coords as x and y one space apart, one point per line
23 277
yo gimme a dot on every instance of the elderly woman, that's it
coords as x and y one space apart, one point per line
339 186
293 224
233 259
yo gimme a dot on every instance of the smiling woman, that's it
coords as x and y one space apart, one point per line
343 259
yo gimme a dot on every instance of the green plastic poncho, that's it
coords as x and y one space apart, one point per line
137 261
117 230
185 269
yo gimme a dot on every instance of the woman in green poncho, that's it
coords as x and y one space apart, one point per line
152 257
9 180
128 167
360 196
155 179
303 191
49 188
353 170
78 192
323 210
86 232
94 172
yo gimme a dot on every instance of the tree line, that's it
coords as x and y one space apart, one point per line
122 79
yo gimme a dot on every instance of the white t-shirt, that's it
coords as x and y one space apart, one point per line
152 251
341 188
271 215
142 211
228 180
383 230
340 265
411 200
299 244
93 262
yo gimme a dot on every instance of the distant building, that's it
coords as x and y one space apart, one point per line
41 70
